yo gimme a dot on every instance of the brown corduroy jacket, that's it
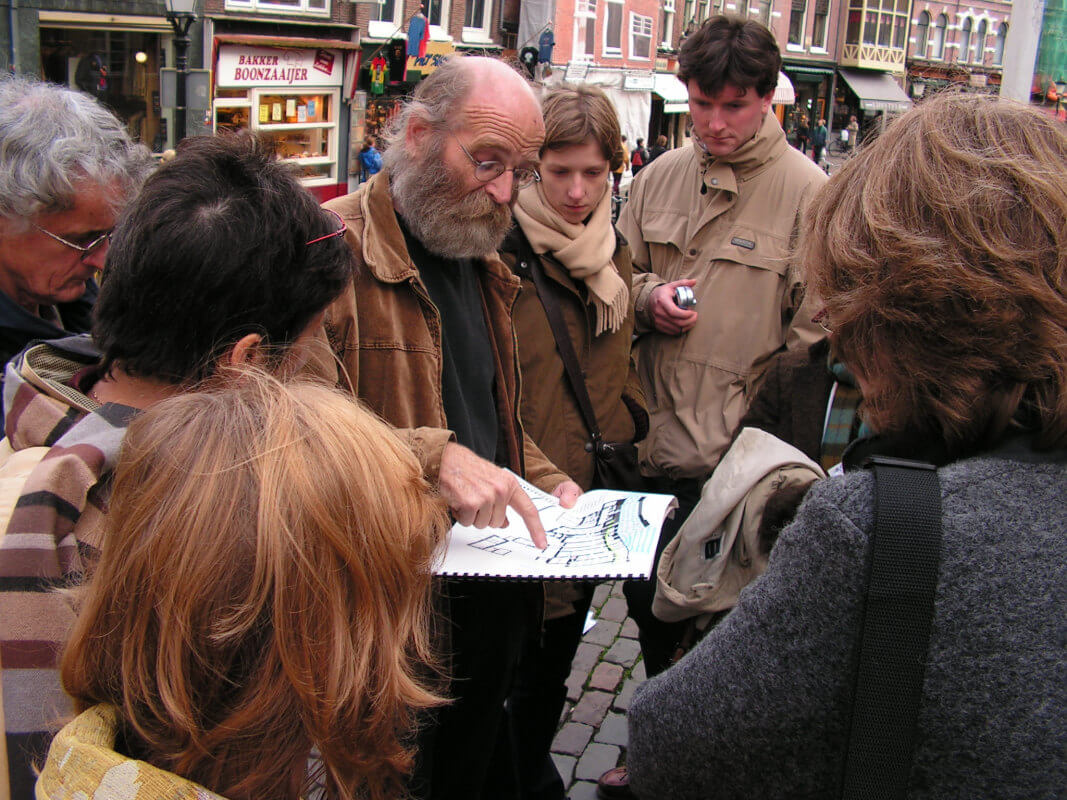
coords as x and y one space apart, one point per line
387 334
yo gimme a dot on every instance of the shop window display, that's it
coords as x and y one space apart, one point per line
119 68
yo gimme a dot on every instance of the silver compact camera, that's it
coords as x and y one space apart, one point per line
684 297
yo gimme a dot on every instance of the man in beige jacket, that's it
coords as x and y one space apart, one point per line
717 217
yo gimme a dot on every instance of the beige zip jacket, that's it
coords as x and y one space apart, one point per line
734 239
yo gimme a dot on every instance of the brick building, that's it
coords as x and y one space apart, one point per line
957 45
607 43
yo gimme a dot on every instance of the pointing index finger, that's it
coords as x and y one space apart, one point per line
522 503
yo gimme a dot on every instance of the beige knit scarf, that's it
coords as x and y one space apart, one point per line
585 250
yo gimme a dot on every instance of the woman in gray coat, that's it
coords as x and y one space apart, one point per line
941 254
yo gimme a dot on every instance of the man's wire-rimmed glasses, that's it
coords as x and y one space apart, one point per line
84 249
486 171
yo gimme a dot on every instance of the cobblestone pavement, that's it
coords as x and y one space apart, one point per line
606 670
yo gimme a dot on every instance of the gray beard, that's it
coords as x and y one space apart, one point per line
448 225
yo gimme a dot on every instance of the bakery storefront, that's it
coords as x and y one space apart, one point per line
292 93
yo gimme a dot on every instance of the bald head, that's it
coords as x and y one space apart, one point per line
501 105
443 99
494 76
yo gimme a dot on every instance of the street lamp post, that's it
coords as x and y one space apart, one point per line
180 14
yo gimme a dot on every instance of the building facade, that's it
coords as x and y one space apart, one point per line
953 45
112 50
285 69
606 43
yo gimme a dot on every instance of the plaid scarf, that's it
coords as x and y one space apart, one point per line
843 423
52 537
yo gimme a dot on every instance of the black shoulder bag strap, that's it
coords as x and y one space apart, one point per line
529 262
895 632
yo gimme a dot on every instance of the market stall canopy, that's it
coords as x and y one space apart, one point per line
877 91
783 92
675 95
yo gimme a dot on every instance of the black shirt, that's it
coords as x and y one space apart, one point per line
467 373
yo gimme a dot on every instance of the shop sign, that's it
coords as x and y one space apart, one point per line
576 71
436 53
638 83
277 66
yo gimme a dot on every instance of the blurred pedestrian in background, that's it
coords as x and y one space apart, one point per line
370 160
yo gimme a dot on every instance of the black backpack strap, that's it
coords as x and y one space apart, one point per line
529 262
895 632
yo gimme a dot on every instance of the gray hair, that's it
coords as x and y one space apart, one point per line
51 139
437 100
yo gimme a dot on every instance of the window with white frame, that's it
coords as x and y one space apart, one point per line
437 14
317 7
385 19
998 48
704 12
764 15
822 19
796 23
965 41
640 36
476 20
613 28
922 34
939 37
689 15
979 43
666 24
584 29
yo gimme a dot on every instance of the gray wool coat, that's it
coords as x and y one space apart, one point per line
760 708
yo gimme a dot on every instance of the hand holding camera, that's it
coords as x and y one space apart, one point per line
671 307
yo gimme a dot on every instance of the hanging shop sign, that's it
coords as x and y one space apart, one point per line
436 53
278 66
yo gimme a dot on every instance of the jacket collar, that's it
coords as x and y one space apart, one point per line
385 253
1016 447
43 406
751 158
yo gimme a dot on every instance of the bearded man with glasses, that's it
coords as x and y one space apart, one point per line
67 168
426 338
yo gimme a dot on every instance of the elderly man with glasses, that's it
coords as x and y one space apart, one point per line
67 167
427 341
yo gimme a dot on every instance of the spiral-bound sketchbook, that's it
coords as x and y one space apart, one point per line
606 534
